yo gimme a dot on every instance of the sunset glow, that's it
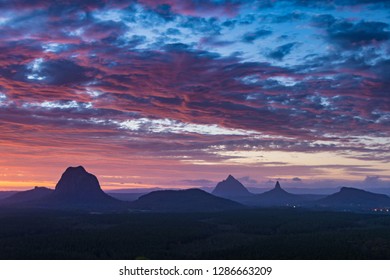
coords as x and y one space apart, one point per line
179 94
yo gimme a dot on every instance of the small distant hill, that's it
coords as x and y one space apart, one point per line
352 198
279 197
192 200
29 195
231 188
276 197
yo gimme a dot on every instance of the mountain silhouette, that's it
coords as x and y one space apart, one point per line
6 194
79 189
352 198
276 197
76 184
191 200
232 189
30 195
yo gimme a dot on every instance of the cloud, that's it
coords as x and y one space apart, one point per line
198 183
374 181
250 37
280 52
247 181
349 35
183 81
196 8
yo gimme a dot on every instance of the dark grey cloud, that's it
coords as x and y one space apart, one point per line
197 25
198 183
333 4
349 35
280 52
173 31
165 11
250 37
65 72
283 18
247 181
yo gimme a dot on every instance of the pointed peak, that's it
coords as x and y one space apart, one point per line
230 177
230 187
277 186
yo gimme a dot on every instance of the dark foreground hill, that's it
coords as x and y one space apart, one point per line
354 199
192 200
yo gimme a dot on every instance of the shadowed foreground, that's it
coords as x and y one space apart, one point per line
242 234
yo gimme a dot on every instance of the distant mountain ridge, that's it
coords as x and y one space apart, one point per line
352 198
191 200
79 190
278 197
29 195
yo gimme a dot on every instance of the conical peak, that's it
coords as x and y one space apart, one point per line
277 186
230 177
230 187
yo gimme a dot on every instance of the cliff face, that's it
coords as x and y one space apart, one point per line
81 190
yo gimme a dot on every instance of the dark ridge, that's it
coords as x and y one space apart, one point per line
277 197
351 198
192 200
29 195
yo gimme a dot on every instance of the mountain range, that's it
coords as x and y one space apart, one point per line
79 190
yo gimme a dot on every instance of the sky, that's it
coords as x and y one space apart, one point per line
180 94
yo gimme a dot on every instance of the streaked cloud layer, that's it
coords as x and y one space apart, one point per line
161 93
